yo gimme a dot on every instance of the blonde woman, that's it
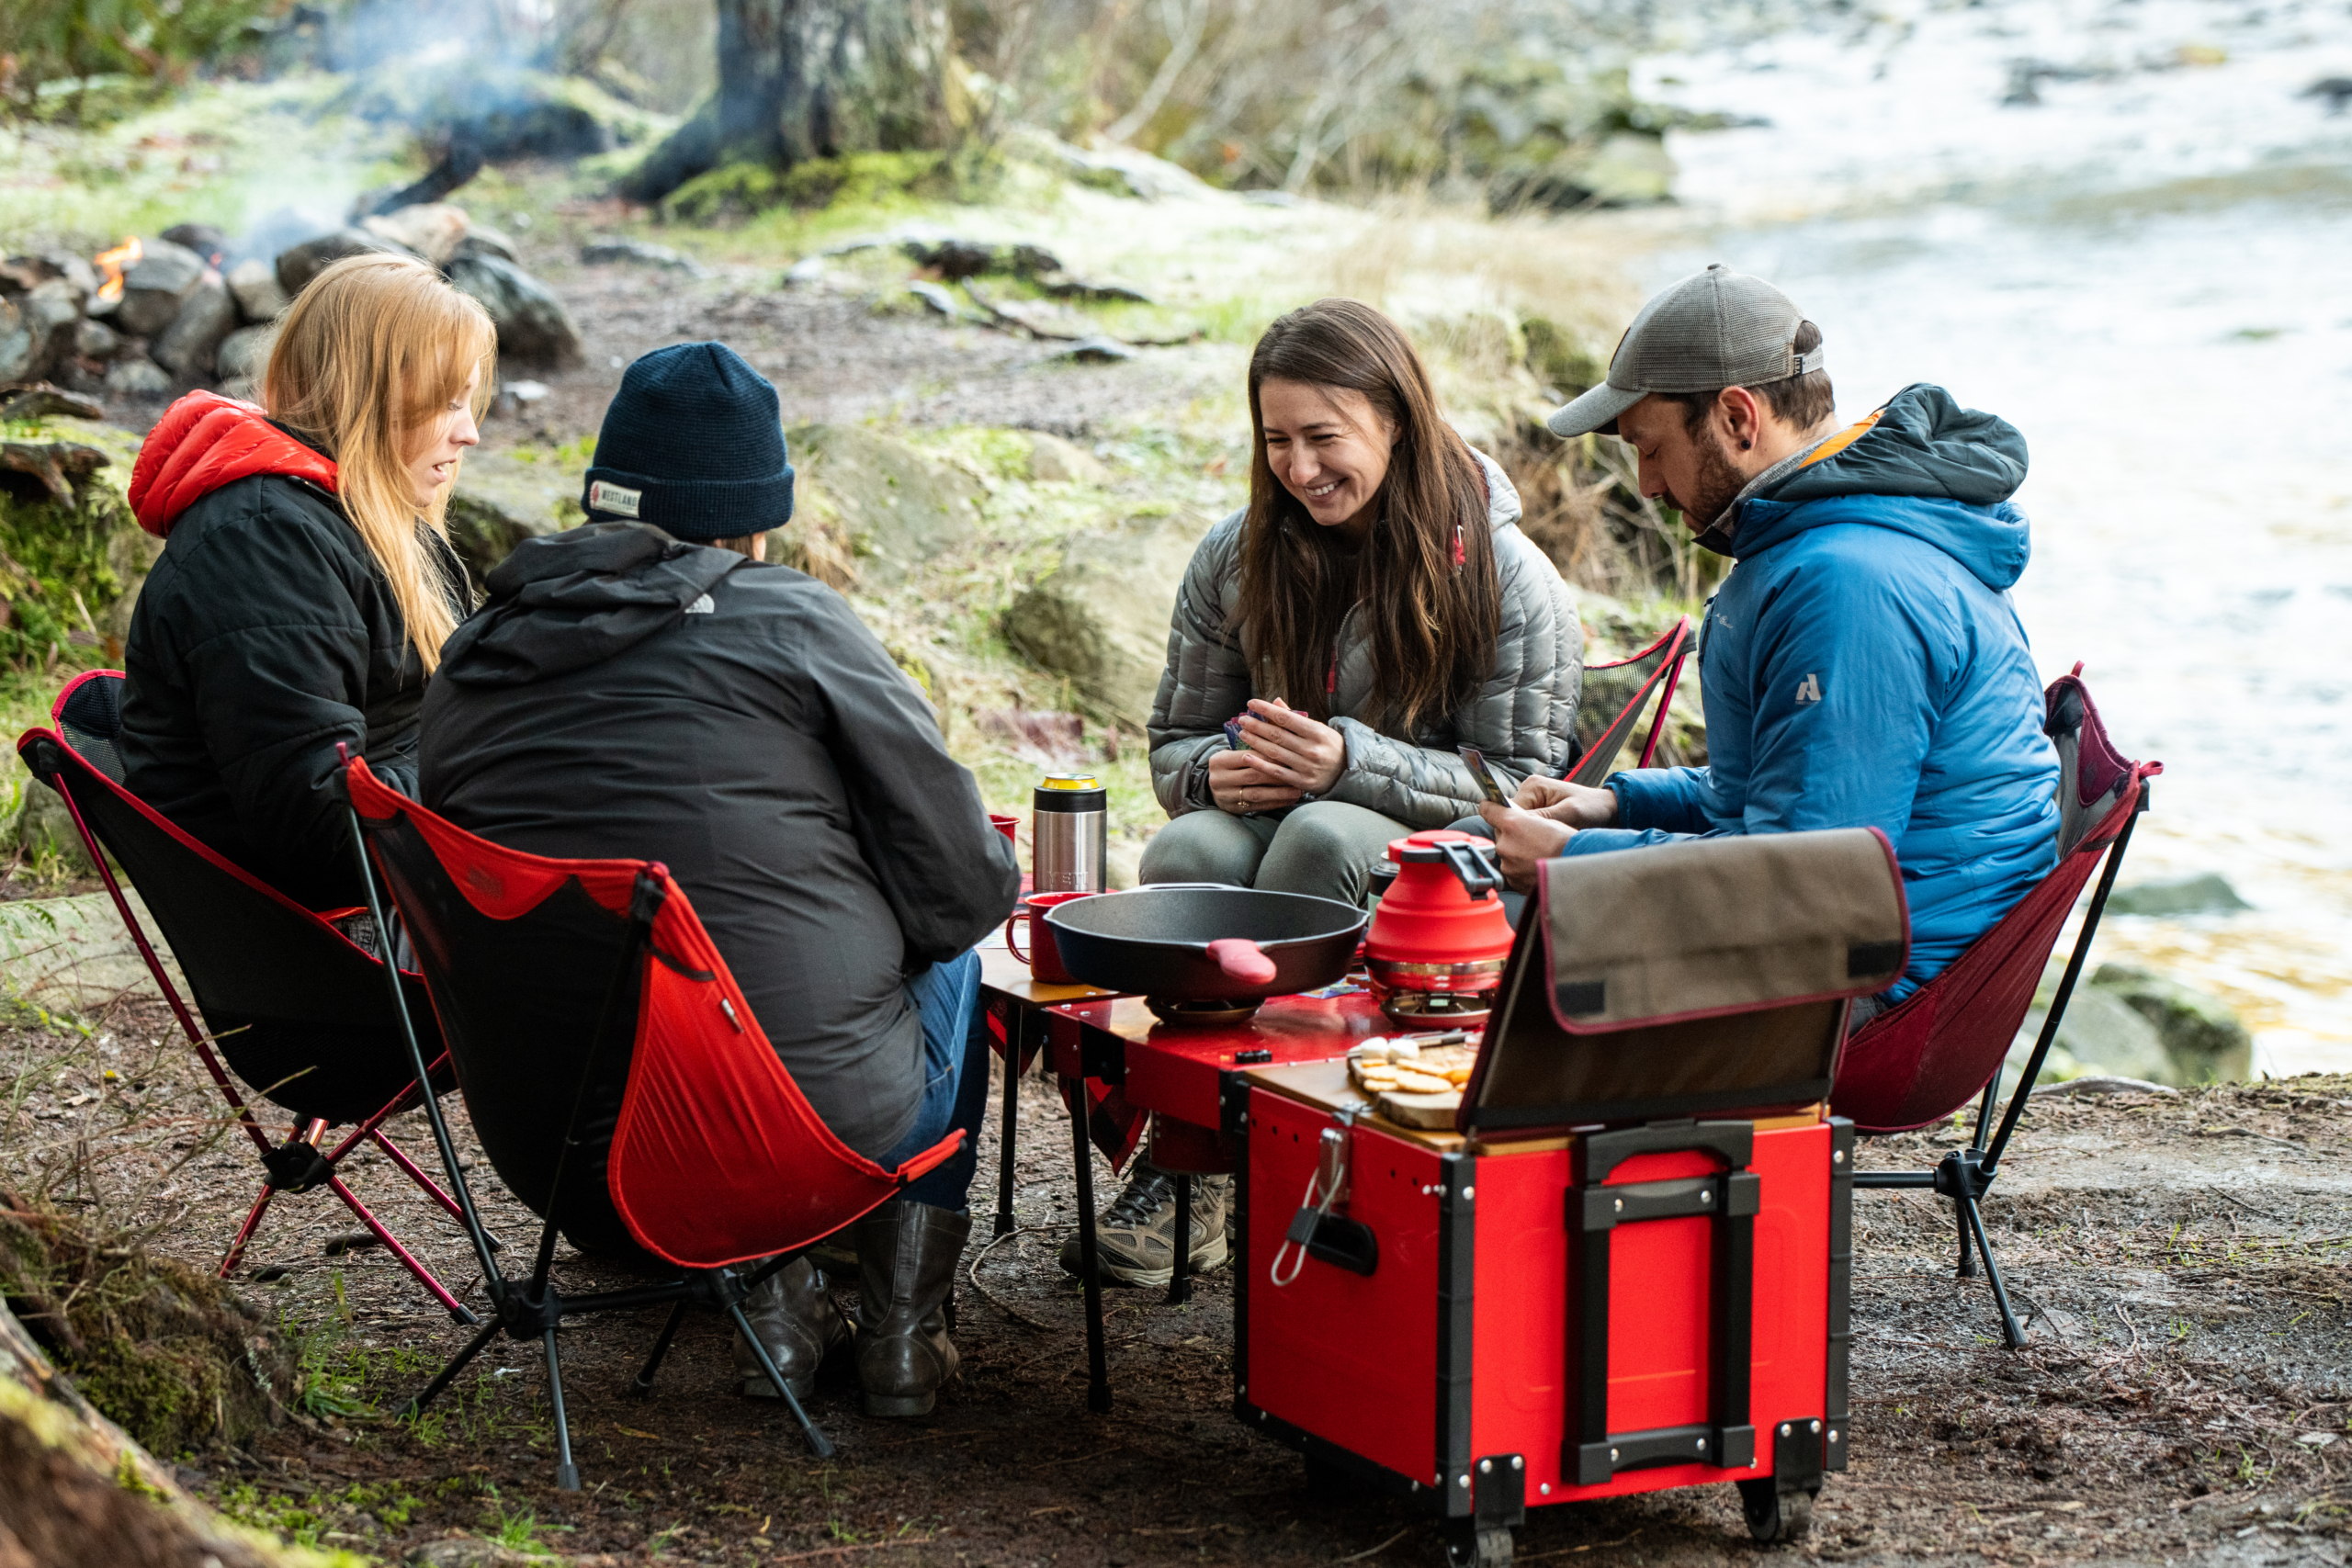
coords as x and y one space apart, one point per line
307 582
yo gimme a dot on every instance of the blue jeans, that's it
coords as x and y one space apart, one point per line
955 1079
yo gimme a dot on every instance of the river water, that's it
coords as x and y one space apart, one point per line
2148 269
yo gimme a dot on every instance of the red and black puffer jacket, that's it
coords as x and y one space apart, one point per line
264 635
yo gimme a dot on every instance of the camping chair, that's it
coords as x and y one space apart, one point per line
296 1008
1625 686
618 1080
1944 1045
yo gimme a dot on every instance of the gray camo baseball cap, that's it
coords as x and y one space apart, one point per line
1714 328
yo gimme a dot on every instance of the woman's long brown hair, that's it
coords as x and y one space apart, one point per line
1433 623
369 356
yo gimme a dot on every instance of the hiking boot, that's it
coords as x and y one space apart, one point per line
907 1254
793 1313
1135 1240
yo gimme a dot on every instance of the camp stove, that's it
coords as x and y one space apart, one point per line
1439 936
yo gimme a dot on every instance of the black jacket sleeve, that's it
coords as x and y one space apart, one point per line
948 875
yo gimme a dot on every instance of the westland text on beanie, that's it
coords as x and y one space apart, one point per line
692 444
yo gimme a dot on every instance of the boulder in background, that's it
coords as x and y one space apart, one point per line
502 499
2204 1036
533 326
1101 618
260 296
2209 894
895 506
300 263
154 286
434 230
208 315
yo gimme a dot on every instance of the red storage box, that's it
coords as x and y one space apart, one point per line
1555 1300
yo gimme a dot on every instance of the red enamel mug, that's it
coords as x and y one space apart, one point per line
1043 958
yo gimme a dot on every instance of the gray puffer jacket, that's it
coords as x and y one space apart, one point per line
1522 718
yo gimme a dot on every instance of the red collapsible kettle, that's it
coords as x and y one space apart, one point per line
1440 935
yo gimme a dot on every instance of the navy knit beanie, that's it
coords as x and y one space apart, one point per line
692 445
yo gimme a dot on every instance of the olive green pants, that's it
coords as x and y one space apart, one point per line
1326 848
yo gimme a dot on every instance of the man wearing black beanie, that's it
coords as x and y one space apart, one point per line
645 687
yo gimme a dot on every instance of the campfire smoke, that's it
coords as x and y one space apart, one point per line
111 263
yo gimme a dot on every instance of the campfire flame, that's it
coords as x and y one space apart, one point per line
111 263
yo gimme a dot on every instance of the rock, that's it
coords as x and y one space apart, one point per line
895 506
2209 894
807 270
2100 1085
136 375
205 241
473 1553
253 283
1062 286
1057 461
37 331
154 285
208 315
21 275
481 240
1631 169
16 343
938 301
94 340
513 397
638 253
1094 351
304 262
503 498
2208 1042
2103 1035
243 353
1101 618
434 230
533 326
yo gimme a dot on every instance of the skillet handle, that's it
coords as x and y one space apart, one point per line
1243 960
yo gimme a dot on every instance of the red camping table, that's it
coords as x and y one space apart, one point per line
1018 1004
1185 1077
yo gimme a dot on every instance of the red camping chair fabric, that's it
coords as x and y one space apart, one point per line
1944 1045
1629 684
616 1076
297 1011
1918 1062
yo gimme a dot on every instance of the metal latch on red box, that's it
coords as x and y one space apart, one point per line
1315 1230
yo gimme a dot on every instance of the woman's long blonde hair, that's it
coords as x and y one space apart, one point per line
367 360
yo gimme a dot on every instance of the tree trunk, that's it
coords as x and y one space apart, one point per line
802 79
74 1488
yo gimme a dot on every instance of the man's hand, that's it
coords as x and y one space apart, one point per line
1523 838
1238 785
1293 749
1579 806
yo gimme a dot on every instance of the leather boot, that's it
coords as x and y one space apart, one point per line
793 1315
907 1254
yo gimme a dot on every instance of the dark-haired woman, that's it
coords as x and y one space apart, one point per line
1373 607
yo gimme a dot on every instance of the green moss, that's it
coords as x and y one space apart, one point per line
167 1352
874 182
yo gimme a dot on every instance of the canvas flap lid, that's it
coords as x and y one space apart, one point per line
1716 926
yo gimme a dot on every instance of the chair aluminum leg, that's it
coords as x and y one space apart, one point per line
415 1173
245 1233
819 1444
567 1474
456 1309
1961 1208
448 1375
1180 1283
1090 1272
1975 1223
644 1383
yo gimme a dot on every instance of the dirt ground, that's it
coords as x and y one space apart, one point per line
2182 1395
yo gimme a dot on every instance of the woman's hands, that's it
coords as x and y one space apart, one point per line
1289 755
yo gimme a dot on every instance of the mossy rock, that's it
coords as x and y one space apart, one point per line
504 498
893 507
1100 619
170 1354
2207 1041
68 573
745 188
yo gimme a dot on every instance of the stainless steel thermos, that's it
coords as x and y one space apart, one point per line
1066 834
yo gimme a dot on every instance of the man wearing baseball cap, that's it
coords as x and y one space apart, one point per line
1863 664
645 687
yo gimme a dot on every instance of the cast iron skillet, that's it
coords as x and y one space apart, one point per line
1156 941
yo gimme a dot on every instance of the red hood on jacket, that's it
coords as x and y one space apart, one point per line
205 441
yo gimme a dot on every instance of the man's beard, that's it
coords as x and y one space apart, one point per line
1712 491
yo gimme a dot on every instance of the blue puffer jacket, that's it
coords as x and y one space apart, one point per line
1863 667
